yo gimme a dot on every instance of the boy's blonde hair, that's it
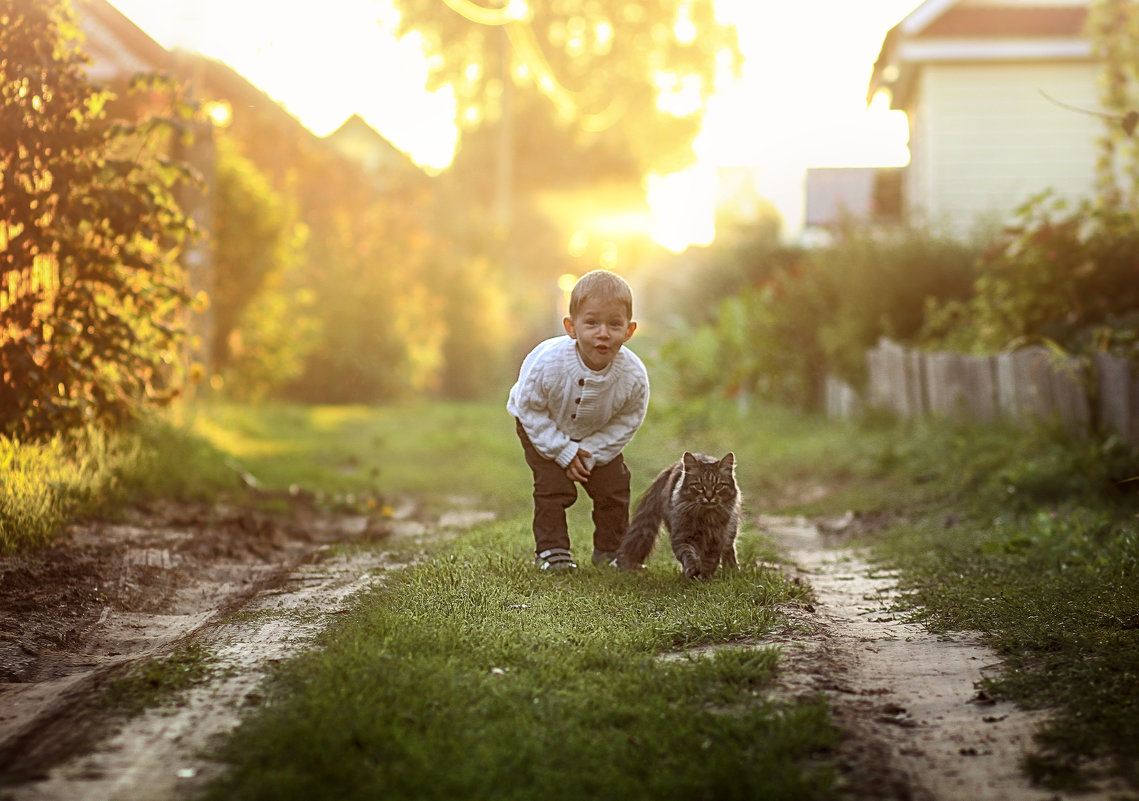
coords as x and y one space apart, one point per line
603 284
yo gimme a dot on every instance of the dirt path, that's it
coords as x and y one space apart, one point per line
252 589
255 589
157 755
909 699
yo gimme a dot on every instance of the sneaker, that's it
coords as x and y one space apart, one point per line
554 559
608 558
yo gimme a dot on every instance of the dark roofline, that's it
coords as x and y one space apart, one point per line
216 78
356 121
993 23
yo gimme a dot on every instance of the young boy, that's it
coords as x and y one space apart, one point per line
578 401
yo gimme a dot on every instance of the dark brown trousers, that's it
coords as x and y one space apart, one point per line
554 492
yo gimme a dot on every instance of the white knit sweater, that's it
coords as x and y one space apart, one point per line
564 406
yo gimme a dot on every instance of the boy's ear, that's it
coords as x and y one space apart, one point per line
567 322
630 330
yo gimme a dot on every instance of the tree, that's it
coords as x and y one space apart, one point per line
578 83
380 325
91 292
1113 26
262 326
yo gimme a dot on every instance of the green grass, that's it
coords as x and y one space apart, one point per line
45 486
1030 538
521 684
157 681
342 453
475 676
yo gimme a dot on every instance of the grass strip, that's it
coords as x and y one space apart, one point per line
476 676
43 486
157 681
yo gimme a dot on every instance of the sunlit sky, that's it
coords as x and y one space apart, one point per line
799 103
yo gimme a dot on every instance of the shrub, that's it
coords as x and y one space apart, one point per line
813 312
90 286
1062 273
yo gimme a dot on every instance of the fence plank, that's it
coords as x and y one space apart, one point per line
1117 396
1026 383
877 386
1069 397
895 395
917 396
961 386
842 400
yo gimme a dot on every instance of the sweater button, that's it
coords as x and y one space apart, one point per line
573 417
577 400
581 382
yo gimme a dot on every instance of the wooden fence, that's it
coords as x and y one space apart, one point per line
1032 383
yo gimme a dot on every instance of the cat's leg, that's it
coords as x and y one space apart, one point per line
709 563
728 556
688 557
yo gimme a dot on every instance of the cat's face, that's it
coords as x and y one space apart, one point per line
707 481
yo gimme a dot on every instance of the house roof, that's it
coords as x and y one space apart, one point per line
961 31
216 80
1019 22
357 140
118 48
835 194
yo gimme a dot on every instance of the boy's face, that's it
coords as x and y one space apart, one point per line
600 327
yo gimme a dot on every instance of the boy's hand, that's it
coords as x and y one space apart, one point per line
575 470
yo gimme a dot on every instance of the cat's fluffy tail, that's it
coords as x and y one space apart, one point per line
639 540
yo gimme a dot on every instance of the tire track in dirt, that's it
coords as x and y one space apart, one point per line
163 754
159 755
908 699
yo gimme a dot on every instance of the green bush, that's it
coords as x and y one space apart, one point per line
264 323
44 485
92 293
881 286
817 313
1063 273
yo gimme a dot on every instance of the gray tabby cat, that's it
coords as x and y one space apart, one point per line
698 501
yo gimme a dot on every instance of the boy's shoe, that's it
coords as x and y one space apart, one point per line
608 558
555 559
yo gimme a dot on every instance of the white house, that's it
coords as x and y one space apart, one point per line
990 89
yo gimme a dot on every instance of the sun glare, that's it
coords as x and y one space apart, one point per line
682 207
799 102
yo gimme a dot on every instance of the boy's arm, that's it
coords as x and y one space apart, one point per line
548 440
608 441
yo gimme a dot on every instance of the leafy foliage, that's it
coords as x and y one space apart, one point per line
1113 26
263 323
91 291
380 335
1065 274
801 314
582 78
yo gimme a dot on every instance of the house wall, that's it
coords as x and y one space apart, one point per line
983 139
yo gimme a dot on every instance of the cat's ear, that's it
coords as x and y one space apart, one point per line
689 461
729 461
